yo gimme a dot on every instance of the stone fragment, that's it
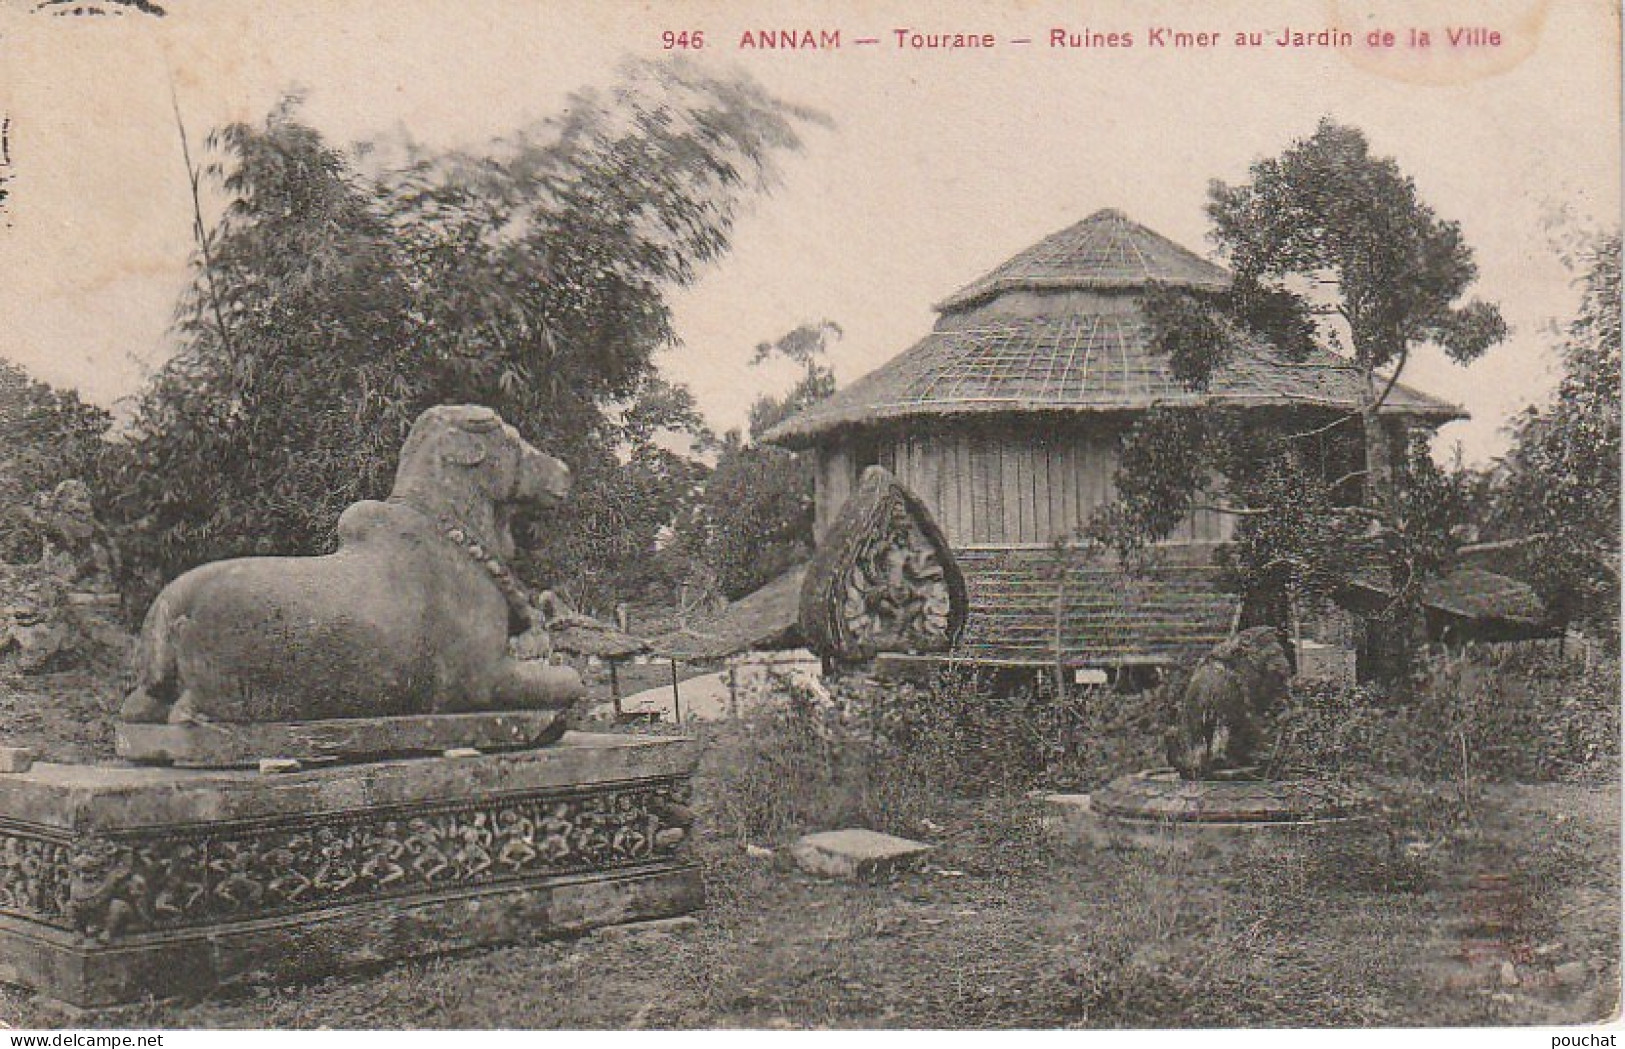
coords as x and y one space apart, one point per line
757 852
655 927
277 766
1570 974
1509 975
854 853
461 752
16 759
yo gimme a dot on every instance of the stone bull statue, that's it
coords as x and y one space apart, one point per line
1231 690
411 615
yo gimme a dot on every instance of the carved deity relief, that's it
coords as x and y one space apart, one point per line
884 578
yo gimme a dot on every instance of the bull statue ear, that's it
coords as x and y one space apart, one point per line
462 449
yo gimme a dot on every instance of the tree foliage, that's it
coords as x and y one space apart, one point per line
1333 251
1329 214
46 436
754 518
330 307
1563 473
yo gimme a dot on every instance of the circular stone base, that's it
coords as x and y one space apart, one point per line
1160 796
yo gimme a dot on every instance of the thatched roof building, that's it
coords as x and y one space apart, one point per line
1005 420
1057 330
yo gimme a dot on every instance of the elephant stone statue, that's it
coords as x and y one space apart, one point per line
1231 690
411 615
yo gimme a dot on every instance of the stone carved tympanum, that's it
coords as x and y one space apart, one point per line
411 615
883 579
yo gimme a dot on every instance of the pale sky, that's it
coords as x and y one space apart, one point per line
940 165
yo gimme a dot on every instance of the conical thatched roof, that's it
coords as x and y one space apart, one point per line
1106 251
1081 354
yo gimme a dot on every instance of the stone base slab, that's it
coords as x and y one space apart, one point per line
1160 795
219 744
120 883
1081 819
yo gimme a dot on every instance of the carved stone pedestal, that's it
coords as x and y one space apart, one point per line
118 883
1158 811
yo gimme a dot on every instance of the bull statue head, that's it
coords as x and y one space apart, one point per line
462 464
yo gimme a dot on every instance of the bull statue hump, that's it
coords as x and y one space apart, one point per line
411 615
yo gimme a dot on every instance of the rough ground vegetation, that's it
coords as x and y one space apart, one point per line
1004 927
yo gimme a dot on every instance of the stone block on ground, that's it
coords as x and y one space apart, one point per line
654 927
16 759
855 853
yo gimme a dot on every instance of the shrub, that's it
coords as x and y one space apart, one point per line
46 436
885 754
1488 714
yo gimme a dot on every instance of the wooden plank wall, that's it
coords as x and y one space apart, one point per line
1003 488
834 479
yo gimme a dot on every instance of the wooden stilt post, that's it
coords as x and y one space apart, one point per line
676 697
733 690
615 688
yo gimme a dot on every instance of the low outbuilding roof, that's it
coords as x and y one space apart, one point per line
766 619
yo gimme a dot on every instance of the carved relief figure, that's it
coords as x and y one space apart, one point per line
108 888
883 579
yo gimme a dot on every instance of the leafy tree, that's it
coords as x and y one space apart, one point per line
1325 220
613 541
804 345
1328 212
298 373
46 436
754 518
329 308
1563 473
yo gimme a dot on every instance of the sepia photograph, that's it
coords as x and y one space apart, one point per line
774 516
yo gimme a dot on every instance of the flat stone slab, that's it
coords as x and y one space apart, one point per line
119 883
855 853
220 744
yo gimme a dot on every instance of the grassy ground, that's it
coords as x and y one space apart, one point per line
1005 928
1503 911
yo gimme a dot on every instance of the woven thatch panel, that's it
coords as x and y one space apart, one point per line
1172 613
1079 363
